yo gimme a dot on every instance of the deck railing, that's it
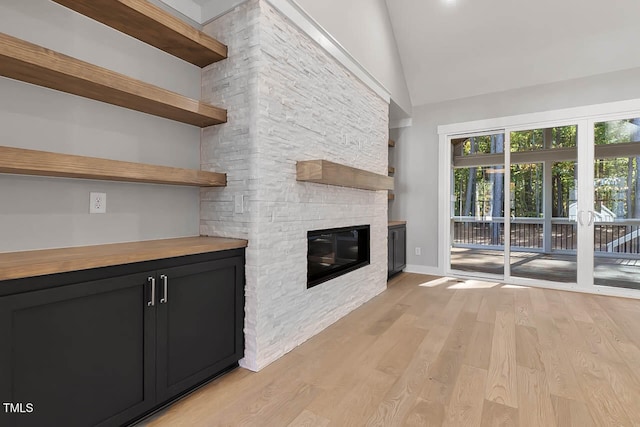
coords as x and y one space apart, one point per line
528 234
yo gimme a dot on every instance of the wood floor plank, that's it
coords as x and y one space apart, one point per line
396 359
403 394
538 300
528 351
474 300
443 372
352 408
560 375
382 324
425 414
478 351
524 308
418 355
603 404
465 407
598 343
625 385
308 419
626 319
570 413
497 415
487 309
626 348
534 400
576 306
502 384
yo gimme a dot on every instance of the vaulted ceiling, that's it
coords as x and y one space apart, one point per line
453 49
459 48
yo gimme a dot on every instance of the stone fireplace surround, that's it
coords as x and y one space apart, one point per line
289 100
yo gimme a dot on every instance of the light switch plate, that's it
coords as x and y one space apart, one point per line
239 204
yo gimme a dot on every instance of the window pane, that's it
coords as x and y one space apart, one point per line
486 144
526 191
617 131
544 139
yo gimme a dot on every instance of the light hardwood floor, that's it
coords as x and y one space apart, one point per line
437 352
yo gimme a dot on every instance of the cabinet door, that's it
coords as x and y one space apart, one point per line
200 321
81 354
390 252
400 249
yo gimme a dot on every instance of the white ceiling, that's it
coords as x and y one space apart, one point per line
463 48
453 49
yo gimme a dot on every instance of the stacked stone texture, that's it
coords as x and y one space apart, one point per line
289 100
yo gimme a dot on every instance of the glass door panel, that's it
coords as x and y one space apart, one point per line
477 221
616 211
543 204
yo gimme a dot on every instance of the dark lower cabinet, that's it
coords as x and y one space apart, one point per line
104 352
82 354
191 345
397 251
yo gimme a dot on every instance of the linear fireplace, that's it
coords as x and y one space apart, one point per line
334 252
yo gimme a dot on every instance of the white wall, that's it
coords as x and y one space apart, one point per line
364 29
38 212
416 152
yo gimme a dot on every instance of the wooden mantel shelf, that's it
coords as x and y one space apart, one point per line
31 63
325 172
152 25
44 163
17 265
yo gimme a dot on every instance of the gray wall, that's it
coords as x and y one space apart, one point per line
38 212
416 154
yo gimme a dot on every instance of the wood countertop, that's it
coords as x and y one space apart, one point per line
394 223
17 265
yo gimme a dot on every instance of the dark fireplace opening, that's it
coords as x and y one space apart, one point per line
334 252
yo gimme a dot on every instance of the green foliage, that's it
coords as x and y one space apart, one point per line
614 178
528 140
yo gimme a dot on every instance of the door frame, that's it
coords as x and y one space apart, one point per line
584 117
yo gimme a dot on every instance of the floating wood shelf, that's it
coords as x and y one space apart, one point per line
44 163
392 143
31 63
17 265
154 26
392 170
392 196
396 223
325 172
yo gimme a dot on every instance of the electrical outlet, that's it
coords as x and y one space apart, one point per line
418 251
97 203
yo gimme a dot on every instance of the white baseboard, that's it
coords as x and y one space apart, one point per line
424 269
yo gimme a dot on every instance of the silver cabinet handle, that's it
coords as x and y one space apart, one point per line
165 280
152 280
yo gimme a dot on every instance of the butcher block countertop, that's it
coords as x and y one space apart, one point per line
394 223
17 265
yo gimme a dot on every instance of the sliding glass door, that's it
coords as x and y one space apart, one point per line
532 174
615 216
544 203
550 197
478 194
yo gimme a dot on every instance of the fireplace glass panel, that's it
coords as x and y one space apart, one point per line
333 252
